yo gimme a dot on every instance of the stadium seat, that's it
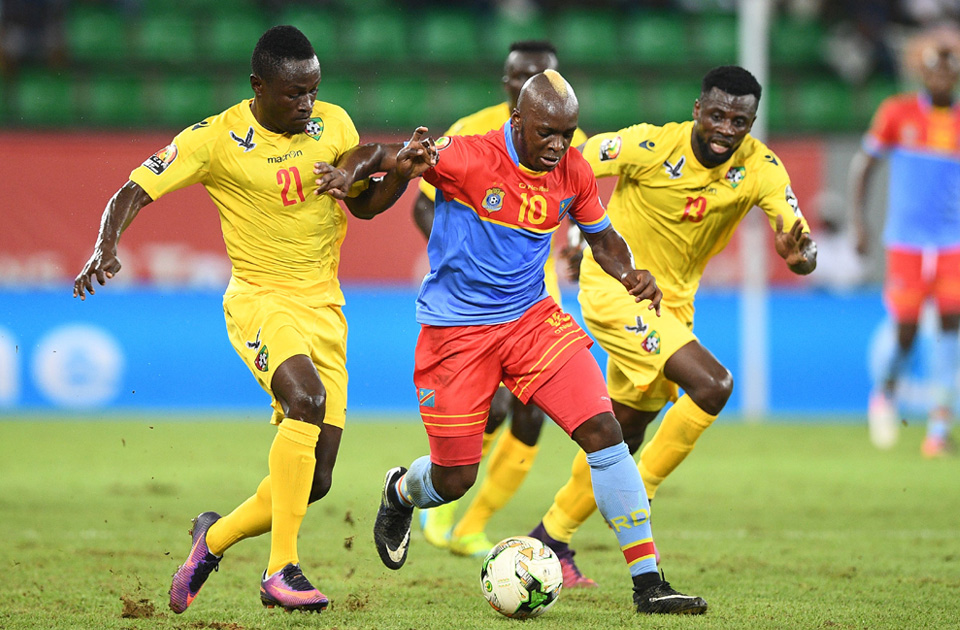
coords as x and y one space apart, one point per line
375 37
609 105
114 100
344 92
46 98
396 104
320 27
496 36
715 38
585 37
229 36
656 39
823 105
96 34
183 101
167 37
446 37
452 99
776 104
673 100
796 42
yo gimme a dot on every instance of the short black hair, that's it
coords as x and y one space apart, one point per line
533 46
277 45
733 80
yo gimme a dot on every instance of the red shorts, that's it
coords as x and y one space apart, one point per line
914 275
458 370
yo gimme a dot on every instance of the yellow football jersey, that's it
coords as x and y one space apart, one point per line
277 233
481 122
674 212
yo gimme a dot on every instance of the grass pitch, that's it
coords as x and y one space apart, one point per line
775 525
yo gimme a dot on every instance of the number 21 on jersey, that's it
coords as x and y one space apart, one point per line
287 177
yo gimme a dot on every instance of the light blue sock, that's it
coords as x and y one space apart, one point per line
416 487
945 369
622 500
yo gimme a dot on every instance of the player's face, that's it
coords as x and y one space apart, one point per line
941 71
520 66
720 123
543 135
284 103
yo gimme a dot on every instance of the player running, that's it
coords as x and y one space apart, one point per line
487 319
515 450
921 134
283 304
682 190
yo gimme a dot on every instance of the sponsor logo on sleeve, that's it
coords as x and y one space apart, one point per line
793 203
610 148
159 161
735 175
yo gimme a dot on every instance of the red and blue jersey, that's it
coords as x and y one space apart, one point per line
492 226
923 144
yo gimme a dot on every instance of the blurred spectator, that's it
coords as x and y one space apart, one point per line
31 31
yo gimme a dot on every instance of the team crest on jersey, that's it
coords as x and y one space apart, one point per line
159 161
610 149
492 199
442 142
735 175
314 128
652 343
262 360
427 397
675 171
793 203
246 143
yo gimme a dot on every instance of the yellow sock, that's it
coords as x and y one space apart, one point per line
251 518
573 503
488 439
509 464
292 462
673 441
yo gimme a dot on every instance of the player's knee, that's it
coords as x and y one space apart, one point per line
454 483
308 407
527 424
714 397
600 431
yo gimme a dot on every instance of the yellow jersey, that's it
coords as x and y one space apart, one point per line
481 122
674 212
277 233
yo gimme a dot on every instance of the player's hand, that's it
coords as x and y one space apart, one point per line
641 284
103 265
332 181
418 156
792 245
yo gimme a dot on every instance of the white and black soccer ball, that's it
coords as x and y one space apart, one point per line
521 577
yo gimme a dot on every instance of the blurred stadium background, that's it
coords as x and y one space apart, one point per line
89 89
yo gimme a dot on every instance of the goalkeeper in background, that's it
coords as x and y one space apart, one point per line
683 189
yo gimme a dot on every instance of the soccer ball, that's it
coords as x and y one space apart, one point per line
521 577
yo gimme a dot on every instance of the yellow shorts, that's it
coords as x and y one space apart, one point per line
268 326
637 343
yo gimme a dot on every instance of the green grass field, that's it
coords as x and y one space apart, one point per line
776 525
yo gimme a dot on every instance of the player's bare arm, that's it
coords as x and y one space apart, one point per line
796 247
411 161
423 211
614 256
119 213
861 170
